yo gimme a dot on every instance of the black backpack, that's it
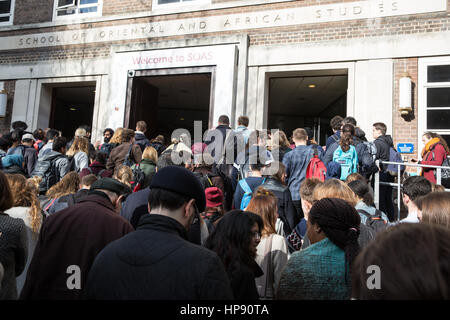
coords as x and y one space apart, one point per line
205 179
107 147
374 222
48 171
71 163
128 162
138 179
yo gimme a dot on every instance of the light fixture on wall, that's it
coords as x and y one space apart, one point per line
3 99
405 94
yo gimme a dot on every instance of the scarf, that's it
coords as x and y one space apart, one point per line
429 145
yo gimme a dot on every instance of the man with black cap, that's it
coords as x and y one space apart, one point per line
70 240
156 261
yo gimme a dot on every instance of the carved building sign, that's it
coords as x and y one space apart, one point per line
241 21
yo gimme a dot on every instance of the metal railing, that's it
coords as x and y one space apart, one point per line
398 184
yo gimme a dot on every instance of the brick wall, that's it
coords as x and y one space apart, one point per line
5 123
32 11
112 7
405 127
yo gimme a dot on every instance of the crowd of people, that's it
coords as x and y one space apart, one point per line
134 218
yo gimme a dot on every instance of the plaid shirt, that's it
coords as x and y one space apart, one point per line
296 163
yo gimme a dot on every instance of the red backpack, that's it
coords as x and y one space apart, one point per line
316 168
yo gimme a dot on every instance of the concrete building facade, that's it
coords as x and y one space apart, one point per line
285 64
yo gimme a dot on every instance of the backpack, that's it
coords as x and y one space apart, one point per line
445 173
48 171
345 159
248 193
20 149
71 163
371 148
374 222
394 156
205 179
107 147
316 168
128 162
138 179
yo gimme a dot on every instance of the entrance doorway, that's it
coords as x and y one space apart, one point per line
307 100
167 102
71 107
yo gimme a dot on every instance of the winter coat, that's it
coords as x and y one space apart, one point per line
383 144
72 237
279 256
296 163
141 140
118 154
243 281
316 273
13 254
286 210
15 170
32 237
135 206
61 164
12 164
149 168
435 156
29 154
216 179
159 147
333 139
156 262
81 161
95 168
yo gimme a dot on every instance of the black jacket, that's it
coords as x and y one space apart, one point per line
141 140
286 210
243 282
13 254
156 262
383 144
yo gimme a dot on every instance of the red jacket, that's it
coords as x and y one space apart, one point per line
434 157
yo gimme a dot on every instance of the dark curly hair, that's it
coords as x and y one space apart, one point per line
232 237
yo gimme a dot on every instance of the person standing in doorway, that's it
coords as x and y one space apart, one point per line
139 135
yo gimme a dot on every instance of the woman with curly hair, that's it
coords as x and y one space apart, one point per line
235 240
78 154
323 270
26 206
69 184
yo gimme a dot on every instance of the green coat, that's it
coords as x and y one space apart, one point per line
149 168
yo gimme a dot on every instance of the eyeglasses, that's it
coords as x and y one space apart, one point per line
257 235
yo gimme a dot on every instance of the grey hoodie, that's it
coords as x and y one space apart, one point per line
62 164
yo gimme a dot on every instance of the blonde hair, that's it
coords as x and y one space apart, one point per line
435 208
70 183
79 144
80 132
24 195
265 204
117 136
124 174
150 153
334 188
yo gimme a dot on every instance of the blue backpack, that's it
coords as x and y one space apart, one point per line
394 156
346 160
248 193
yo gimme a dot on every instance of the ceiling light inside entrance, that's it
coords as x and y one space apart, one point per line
311 86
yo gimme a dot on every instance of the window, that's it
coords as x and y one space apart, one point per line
434 113
77 8
6 12
170 3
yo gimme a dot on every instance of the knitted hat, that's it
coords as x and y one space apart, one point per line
112 185
214 197
182 181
